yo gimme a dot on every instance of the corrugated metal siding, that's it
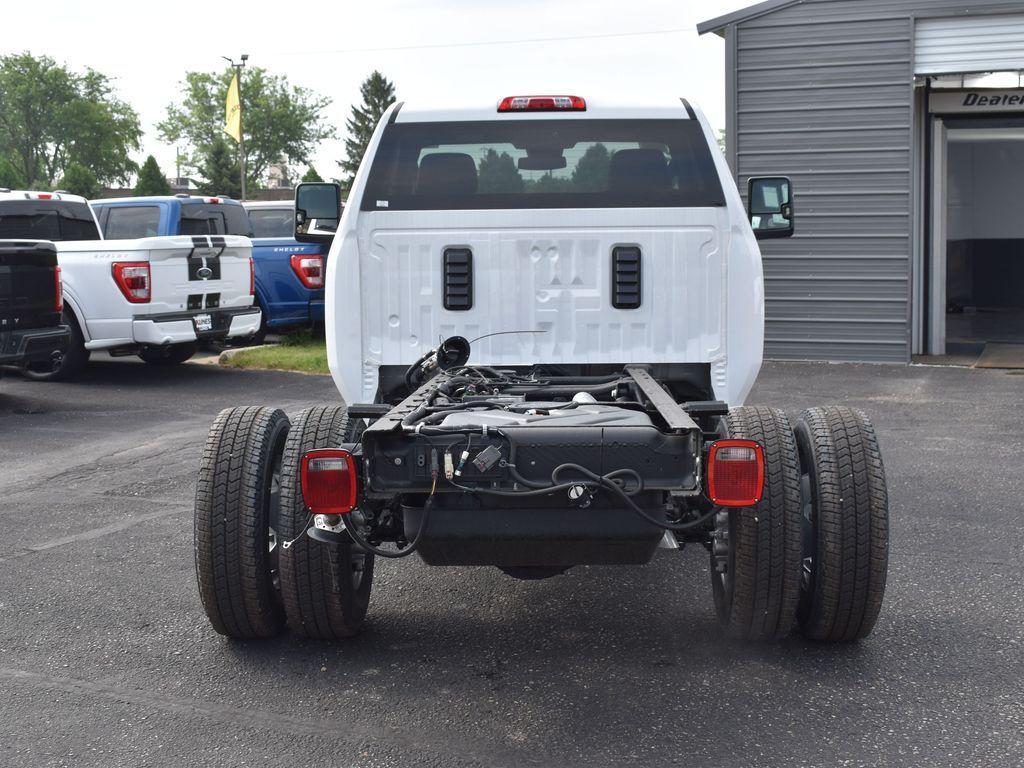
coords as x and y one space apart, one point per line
824 94
981 44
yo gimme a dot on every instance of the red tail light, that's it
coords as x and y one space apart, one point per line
330 481
252 277
58 292
133 278
542 104
213 200
309 269
735 473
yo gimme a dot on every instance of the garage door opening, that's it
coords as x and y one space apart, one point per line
984 239
977 253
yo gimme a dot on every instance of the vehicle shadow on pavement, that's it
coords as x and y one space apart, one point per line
598 654
661 614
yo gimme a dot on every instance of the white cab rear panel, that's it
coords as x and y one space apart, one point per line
548 270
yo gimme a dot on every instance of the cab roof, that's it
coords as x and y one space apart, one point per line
184 199
596 109
257 204
22 194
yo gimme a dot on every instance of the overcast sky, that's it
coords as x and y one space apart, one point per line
331 46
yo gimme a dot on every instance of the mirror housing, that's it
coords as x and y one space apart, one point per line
317 212
770 207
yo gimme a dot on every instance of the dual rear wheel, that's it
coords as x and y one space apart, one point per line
813 552
257 570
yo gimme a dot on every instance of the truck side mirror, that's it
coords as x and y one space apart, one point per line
770 206
317 212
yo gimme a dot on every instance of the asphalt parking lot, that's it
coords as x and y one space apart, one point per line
106 658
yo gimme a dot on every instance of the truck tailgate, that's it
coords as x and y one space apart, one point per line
199 272
27 285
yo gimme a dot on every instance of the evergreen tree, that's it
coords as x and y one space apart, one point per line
151 180
498 173
591 172
378 94
311 175
221 171
79 180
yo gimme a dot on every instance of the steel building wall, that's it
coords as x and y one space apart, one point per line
823 92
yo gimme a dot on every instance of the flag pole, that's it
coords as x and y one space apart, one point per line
241 117
241 135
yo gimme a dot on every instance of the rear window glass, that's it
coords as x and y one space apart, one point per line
131 222
542 164
214 219
46 220
272 222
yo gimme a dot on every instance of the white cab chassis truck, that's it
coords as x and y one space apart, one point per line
155 297
544 316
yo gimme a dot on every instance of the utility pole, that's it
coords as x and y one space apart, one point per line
241 114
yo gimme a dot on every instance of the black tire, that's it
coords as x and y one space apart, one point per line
171 354
236 506
325 587
756 597
74 361
846 514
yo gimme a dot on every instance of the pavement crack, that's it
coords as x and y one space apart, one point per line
94 533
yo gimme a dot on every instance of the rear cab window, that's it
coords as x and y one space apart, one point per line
509 164
272 222
129 222
214 219
47 220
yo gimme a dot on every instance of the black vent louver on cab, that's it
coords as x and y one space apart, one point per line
626 283
458 279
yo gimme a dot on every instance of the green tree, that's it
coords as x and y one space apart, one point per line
722 140
221 171
51 118
9 175
311 175
378 94
498 173
278 120
591 172
80 180
151 179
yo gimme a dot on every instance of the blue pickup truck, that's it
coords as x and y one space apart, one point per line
289 275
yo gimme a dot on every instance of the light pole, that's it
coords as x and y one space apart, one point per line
241 134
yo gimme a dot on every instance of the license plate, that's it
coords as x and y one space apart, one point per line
203 322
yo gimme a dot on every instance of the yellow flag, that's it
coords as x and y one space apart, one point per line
233 111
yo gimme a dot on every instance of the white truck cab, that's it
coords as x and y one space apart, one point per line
154 296
615 234
544 315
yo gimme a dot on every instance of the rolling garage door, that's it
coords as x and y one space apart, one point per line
969 44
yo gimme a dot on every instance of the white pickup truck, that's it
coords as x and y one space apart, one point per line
600 287
155 297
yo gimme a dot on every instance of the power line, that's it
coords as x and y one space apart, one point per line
482 43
